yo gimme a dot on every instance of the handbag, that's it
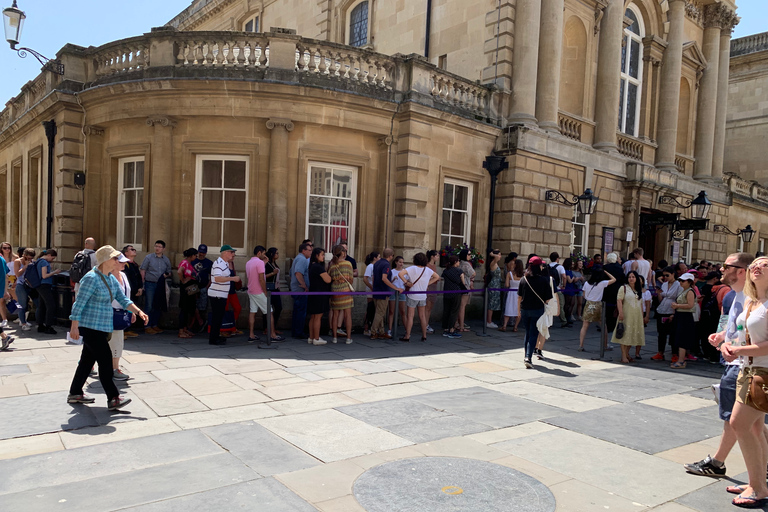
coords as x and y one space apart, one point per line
620 330
545 321
12 306
121 318
408 285
757 393
191 288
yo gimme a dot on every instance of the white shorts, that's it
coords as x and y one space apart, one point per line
258 303
116 343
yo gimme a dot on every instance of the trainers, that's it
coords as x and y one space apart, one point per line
80 399
539 354
528 363
349 341
689 357
447 334
118 375
130 334
674 358
705 467
26 327
335 339
430 330
658 357
366 332
6 342
455 335
389 332
319 341
118 403
492 325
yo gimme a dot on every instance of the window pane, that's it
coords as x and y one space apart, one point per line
444 241
634 59
128 169
447 196
446 222
635 26
211 174
249 26
234 233
129 202
234 174
621 104
358 25
457 223
578 235
234 206
624 54
139 179
340 211
139 231
335 235
461 195
140 202
211 232
631 110
211 203
320 182
317 235
342 184
318 210
129 225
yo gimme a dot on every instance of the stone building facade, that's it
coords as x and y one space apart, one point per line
370 120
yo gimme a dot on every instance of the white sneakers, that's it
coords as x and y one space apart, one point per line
26 327
492 325
319 341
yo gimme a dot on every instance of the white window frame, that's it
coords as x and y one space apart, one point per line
625 77
687 249
741 244
470 194
762 244
255 18
120 201
348 19
353 200
585 237
198 226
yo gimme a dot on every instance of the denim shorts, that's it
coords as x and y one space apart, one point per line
402 297
412 303
728 391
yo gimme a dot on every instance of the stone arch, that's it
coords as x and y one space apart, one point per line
683 117
654 13
573 67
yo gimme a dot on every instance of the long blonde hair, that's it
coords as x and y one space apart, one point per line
750 290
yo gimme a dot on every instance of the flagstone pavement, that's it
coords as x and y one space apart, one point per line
442 425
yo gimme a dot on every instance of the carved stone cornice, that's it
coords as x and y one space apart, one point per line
693 10
280 123
161 121
93 131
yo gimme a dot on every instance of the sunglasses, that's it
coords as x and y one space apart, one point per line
753 267
726 267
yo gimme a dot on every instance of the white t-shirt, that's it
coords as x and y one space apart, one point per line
627 266
421 285
758 331
394 276
220 268
561 271
595 292
126 287
369 275
646 298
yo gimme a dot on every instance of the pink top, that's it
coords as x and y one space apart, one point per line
186 269
253 268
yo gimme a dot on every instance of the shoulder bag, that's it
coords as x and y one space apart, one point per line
545 321
757 394
349 285
409 284
121 318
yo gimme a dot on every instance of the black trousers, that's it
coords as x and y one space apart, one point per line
95 350
46 313
451 304
665 329
610 319
218 306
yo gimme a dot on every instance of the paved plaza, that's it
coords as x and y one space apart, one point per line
372 426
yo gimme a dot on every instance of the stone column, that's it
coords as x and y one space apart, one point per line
729 22
550 54
277 207
609 76
705 113
525 61
669 89
161 181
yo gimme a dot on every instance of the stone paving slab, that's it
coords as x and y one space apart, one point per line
636 426
14 369
392 412
80 464
266 494
41 413
713 498
260 449
117 491
631 390
433 429
705 376
488 407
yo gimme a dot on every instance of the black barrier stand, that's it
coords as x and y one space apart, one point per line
268 343
394 318
603 334
485 312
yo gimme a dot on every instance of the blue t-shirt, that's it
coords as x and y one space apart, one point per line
203 269
41 264
300 265
380 268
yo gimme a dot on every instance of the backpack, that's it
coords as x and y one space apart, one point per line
80 266
32 275
709 305
554 274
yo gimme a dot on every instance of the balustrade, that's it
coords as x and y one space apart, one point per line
569 126
460 93
344 64
246 52
121 57
629 147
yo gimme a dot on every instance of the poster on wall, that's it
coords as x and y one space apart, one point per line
608 240
676 251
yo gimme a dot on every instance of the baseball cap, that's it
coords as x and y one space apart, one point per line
685 277
202 248
225 248
535 261
122 258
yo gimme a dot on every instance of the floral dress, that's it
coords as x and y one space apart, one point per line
341 274
634 328
494 298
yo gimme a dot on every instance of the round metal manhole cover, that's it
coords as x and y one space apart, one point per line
449 484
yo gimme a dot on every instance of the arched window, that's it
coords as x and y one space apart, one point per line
631 73
358 25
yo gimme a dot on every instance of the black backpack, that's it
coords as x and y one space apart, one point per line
709 306
32 276
80 266
554 274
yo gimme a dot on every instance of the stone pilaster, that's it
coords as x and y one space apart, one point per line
95 223
67 199
277 209
550 54
609 75
706 111
669 88
161 180
730 21
525 61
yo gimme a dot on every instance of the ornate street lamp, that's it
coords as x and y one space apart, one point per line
699 207
586 202
747 234
13 22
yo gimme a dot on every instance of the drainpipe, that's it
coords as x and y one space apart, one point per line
50 134
429 28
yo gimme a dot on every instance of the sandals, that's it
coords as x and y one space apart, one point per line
423 338
403 338
752 501
184 336
677 366
736 489
514 329
503 329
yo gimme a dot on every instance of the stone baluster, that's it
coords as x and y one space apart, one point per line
730 21
525 62
550 54
609 76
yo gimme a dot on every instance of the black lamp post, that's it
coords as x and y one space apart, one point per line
747 234
494 165
586 202
699 207
13 22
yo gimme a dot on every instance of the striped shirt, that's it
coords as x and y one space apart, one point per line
220 269
92 308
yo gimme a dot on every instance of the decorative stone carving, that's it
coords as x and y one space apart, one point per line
280 123
693 10
385 141
600 6
716 16
161 120
93 131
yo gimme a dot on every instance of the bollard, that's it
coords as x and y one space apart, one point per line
268 343
603 333
485 312
394 319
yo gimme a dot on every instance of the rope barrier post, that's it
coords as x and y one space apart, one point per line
603 332
485 312
394 319
268 343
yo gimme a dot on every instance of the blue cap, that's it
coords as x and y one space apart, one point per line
202 248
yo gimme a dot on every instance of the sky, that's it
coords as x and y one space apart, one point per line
51 24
